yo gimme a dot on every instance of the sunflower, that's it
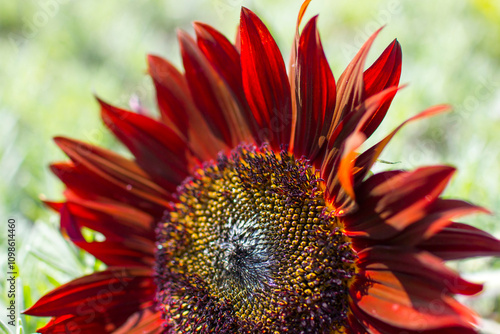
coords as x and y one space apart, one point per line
248 209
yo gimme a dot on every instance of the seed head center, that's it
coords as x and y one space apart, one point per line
253 234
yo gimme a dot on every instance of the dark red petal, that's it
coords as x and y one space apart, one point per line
178 110
384 73
172 92
265 81
412 304
158 149
91 322
294 51
221 54
335 194
128 251
350 86
393 205
292 74
361 323
412 263
147 321
338 165
110 166
357 325
356 120
98 173
366 160
71 324
451 330
113 219
438 216
56 206
212 95
315 94
125 253
225 58
98 292
90 186
346 166
459 241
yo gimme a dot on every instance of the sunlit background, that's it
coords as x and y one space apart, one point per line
55 54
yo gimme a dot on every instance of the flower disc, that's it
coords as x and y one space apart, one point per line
252 247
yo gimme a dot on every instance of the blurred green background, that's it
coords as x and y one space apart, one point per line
56 53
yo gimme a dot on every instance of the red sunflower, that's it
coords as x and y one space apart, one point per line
247 208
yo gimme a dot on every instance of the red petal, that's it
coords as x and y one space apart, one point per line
113 219
384 73
146 321
366 160
172 92
361 323
435 220
158 149
356 323
404 196
459 241
92 322
265 81
412 263
350 86
221 54
293 54
225 58
114 251
292 71
96 172
109 165
315 94
393 205
88 185
98 293
56 206
357 119
338 165
71 324
346 167
410 304
212 95
179 112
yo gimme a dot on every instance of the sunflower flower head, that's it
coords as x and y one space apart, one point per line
249 209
